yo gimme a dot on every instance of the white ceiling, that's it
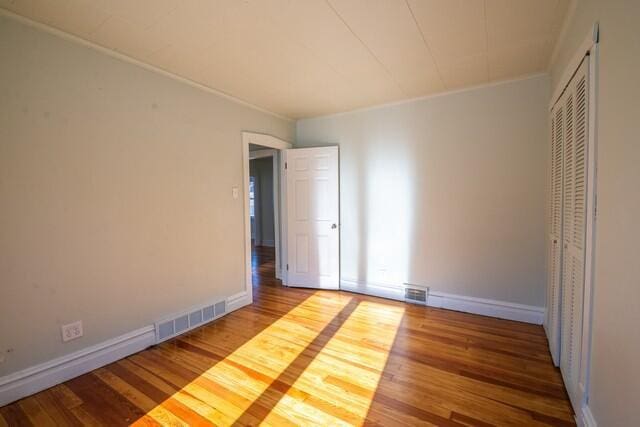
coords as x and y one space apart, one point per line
302 58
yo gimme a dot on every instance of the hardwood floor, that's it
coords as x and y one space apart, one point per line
301 357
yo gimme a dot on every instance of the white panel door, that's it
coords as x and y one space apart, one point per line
313 232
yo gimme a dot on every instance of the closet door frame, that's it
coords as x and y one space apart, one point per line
589 47
592 212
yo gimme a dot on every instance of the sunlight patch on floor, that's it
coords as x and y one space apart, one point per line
363 340
231 386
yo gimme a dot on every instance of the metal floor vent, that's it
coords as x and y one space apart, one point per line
186 321
415 294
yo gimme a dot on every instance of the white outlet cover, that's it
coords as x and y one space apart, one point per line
235 192
71 331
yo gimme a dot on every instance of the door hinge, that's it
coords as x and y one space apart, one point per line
285 165
287 267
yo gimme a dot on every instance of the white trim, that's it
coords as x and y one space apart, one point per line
237 301
282 265
248 287
40 377
257 207
218 92
126 58
259 154
591 212
265 140
276 144
277 242
585 47
429 96
482 306
586 419
32 380
487 307
381 290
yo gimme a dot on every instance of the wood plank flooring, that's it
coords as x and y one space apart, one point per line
302 357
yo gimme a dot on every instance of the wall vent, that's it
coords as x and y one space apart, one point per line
207 313
220 308
415 294
195 318
164 330
183 322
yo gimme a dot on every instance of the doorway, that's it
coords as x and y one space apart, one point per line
306 226
264 258
262 207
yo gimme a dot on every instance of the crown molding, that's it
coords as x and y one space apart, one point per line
125 58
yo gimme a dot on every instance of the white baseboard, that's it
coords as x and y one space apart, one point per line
488 307
482 306
32 380
40 377
238 300
586 418
375 289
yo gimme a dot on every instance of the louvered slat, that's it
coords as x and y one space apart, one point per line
579 202
557 195
567 260
569 165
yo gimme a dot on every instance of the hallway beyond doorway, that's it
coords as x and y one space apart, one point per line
263 266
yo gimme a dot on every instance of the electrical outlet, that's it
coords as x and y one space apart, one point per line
71 331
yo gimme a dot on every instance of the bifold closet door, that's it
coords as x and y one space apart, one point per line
576 129
554 244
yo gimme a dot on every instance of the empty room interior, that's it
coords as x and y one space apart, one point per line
319 212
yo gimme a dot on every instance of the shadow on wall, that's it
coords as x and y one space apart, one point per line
447 192
377 205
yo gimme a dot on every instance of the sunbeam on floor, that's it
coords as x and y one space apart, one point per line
248 374
304 357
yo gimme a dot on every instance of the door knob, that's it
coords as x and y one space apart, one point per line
333 226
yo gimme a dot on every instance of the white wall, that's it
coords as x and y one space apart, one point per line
115 187
615 370
447 192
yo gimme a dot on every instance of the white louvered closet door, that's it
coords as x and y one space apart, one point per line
574 226
555 228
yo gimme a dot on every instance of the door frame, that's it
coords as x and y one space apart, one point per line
277 144
590 238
